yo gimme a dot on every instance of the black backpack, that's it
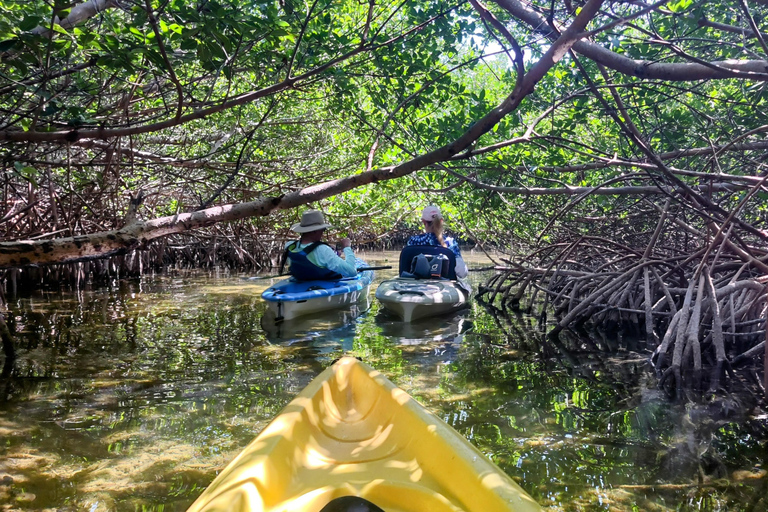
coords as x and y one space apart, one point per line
427 262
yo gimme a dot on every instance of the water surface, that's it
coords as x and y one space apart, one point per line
132 397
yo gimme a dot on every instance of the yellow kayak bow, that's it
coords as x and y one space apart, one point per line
351 432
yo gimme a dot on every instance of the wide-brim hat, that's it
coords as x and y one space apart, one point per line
311 220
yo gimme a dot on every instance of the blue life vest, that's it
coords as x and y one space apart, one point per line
303 269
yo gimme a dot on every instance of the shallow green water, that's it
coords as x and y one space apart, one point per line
133 397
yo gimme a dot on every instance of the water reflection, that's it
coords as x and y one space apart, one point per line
328 331
133 397
449 329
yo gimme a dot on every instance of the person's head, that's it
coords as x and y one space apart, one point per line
312 225
432 219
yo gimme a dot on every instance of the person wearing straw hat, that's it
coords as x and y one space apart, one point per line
312 259
432 218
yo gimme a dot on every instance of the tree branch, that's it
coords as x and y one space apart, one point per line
673 72
97 245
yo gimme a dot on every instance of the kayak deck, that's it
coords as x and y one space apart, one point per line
351 432
413 299
290 298
288 289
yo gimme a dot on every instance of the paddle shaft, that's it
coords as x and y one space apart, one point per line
361 269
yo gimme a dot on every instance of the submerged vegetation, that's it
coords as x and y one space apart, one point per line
609 157
134 397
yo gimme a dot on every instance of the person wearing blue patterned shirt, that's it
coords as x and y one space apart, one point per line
432 219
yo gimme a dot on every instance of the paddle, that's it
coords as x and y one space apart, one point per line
361 269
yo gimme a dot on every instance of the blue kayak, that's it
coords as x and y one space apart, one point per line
290 298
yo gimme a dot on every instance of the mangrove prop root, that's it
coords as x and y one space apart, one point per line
700 309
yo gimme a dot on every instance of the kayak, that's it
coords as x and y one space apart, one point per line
412 299
350 437
291 298
427 284
326 331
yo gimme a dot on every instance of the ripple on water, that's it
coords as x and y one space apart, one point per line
135 397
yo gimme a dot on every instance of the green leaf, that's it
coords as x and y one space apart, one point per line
216 50
155 57
51 108
8 44
188 44
30 22
59 29
137 33
679 6
20 65
28 172
190 32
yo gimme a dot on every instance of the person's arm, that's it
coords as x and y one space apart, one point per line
461 267
327 257
285 261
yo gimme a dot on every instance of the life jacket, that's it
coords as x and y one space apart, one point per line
302 268
427 262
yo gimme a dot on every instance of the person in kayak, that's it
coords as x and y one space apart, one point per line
312 259
432 219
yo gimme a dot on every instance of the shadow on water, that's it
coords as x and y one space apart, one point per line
133 397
